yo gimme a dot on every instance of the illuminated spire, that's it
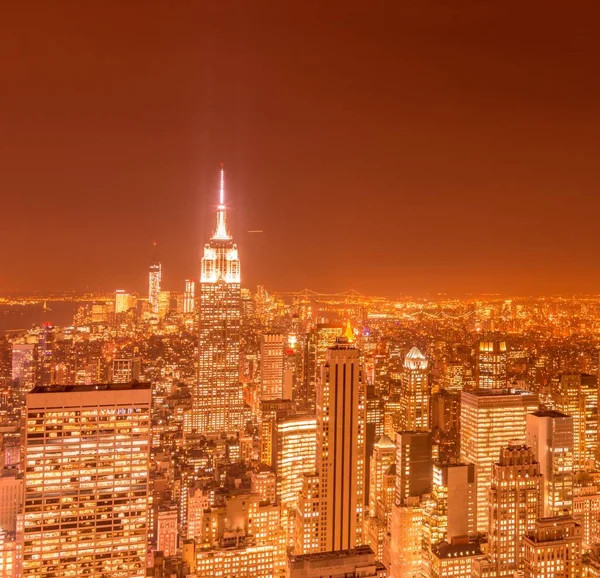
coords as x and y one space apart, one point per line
221 231
348 333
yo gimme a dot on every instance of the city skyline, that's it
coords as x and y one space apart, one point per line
455 148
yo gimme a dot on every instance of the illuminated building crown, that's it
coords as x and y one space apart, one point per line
415 360
220 261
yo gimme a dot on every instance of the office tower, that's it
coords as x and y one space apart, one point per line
264 483
271 411
11 500
316 345
189 296
341 418
238 535
381 493
357 562
586 506
217 402
122 301
373 431
491 364
86 481
414 465
23 366
490 420
125 369
415 392
577 396
553 549
166 530
307 535
271 365
414 471
154 280
550 434
405 559
515 504
294 449
452 511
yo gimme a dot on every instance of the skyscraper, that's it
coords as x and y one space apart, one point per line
577 396
86 482
490 420
515 505
271 365
154 279
217 402
341 447
189 296
550 435
415 393
491 364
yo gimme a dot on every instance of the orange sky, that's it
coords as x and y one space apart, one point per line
392 147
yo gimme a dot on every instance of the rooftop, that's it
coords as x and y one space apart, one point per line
92 387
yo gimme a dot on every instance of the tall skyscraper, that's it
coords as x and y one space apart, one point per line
515 505
550 435
189 296
415 393
122 301
217 402
86 481
490 420
154 280
341 417
491 364
381 493
271 365
577 396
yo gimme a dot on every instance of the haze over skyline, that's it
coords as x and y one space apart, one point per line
406 148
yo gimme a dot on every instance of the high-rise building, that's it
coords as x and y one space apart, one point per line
154 282
122 301
515 505
550 435
341 417
11 499
271 411
217 401
189 296
415 392
271 365
414 465
577 396
491 364
125 369
294 449
553 549
381 493
490 420
453 502
23 366
86 481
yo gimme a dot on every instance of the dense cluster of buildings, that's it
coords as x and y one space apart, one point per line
218 431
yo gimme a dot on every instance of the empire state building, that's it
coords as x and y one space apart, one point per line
217 401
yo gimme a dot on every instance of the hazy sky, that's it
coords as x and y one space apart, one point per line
391 147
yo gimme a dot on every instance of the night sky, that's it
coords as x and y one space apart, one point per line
398 147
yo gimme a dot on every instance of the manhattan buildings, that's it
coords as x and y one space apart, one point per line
86 481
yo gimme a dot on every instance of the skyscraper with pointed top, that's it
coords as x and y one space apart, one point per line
154 279
217 401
